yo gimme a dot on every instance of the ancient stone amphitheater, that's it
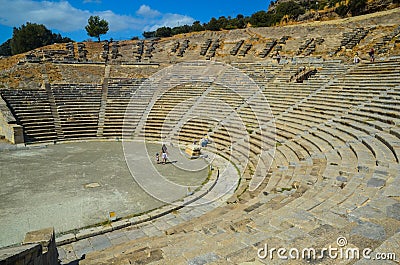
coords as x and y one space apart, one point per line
326 175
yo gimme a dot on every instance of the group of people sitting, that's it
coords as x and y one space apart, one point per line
204 142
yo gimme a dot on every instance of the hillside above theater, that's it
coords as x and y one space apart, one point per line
85 62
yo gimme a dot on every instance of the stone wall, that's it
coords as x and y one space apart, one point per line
8 127
39 248
82 73
133 71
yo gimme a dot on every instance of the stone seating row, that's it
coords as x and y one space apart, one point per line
149 48
300 203
78 109
54 55
351 39
32 110
236 48
183 47
329 178
213 48
119 95
380 47
312 47
245 49
268 48
205 46
305 45
175 46
138 50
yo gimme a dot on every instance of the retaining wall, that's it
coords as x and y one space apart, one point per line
8 125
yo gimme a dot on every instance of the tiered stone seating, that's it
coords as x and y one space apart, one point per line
351 39
334 166
138 50
279 45
82 52
119 95
245 49
225 133
268 48
71 52
204 47
331 68
304 74
55 55
51 55
259 72
114 51
308 44
193 130
183 47
334 173
339 96
31 108
336 158
175 47
211 52
282 95
78 108
106 48
149 48
380 47
283 39
311 48
31 58
236 48
185 94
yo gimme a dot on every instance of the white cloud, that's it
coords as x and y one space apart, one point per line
146 11
120 22
171 20
64 17
57 15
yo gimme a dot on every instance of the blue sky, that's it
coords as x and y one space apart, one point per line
127 18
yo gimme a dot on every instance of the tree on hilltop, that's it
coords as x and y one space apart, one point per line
197 26
213 25
32 36
96 27
163 32
149 34
5 48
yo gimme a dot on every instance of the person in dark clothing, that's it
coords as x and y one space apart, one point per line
164 153
278 57
371 54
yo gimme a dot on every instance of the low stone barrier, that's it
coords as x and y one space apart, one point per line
39 248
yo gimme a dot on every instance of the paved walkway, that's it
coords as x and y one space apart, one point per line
6 146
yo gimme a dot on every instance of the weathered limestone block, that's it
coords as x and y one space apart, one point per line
46 238
193 151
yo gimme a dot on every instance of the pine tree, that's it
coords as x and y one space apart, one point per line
96 27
